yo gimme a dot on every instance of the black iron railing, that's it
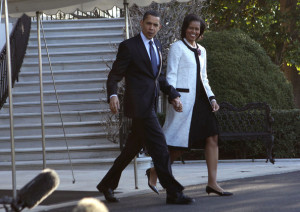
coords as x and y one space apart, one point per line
115 12
248 123
18 44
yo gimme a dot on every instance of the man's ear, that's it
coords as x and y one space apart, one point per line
141 23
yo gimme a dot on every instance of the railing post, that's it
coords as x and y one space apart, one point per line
11 114
127 36
41 87
126 19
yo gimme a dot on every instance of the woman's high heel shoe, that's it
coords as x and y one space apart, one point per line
151 186
211 190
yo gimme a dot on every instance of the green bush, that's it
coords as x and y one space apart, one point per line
286 130
240 71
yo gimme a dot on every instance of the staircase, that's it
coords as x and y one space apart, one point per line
80 51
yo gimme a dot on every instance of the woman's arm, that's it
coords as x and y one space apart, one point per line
205 81
173 63
168 83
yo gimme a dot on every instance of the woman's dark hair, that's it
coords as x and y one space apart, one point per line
186 22
202 26
152 13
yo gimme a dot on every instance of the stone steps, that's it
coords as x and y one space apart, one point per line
81 53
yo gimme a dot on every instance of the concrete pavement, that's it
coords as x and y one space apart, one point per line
189 174
270 193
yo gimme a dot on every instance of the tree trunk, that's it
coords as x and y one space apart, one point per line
292 75
288 7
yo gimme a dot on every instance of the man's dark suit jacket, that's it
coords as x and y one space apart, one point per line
134 64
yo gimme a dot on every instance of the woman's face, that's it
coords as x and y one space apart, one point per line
193 31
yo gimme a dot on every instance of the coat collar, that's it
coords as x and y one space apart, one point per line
189 46
196 52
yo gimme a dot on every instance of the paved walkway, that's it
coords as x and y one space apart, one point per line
271 193
191 173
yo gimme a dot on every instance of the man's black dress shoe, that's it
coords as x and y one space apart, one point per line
108 194
151 186
179 198
211 190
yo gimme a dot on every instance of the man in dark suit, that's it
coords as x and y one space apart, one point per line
139 62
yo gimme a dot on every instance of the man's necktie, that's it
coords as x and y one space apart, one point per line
153 59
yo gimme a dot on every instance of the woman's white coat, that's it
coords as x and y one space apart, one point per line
181 74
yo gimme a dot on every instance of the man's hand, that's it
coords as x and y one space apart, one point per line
114 104
215 106
177 104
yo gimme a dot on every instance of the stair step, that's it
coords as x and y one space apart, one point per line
80 22
50 95
68 116
67 39
64 75
61 149
73 47
77 164
60 153
53 137
59 142
55 128
78 30
69 56
67 65
66 84
65 105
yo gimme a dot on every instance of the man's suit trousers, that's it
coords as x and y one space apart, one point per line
145 131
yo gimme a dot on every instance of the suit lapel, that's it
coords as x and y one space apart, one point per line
143 52
160 55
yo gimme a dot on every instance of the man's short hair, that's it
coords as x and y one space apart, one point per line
151 12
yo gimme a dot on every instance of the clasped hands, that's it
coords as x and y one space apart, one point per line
177 104
114 104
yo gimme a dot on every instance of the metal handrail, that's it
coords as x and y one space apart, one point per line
18 43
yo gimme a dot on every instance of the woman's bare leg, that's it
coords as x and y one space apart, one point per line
174 154
212 157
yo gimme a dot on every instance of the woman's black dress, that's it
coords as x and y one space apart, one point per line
204 123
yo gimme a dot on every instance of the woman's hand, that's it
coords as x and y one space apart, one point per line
215 106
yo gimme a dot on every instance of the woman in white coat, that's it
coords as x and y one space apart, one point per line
195 127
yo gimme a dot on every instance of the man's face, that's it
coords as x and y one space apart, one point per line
150 26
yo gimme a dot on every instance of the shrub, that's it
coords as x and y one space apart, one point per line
286 130
240 71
